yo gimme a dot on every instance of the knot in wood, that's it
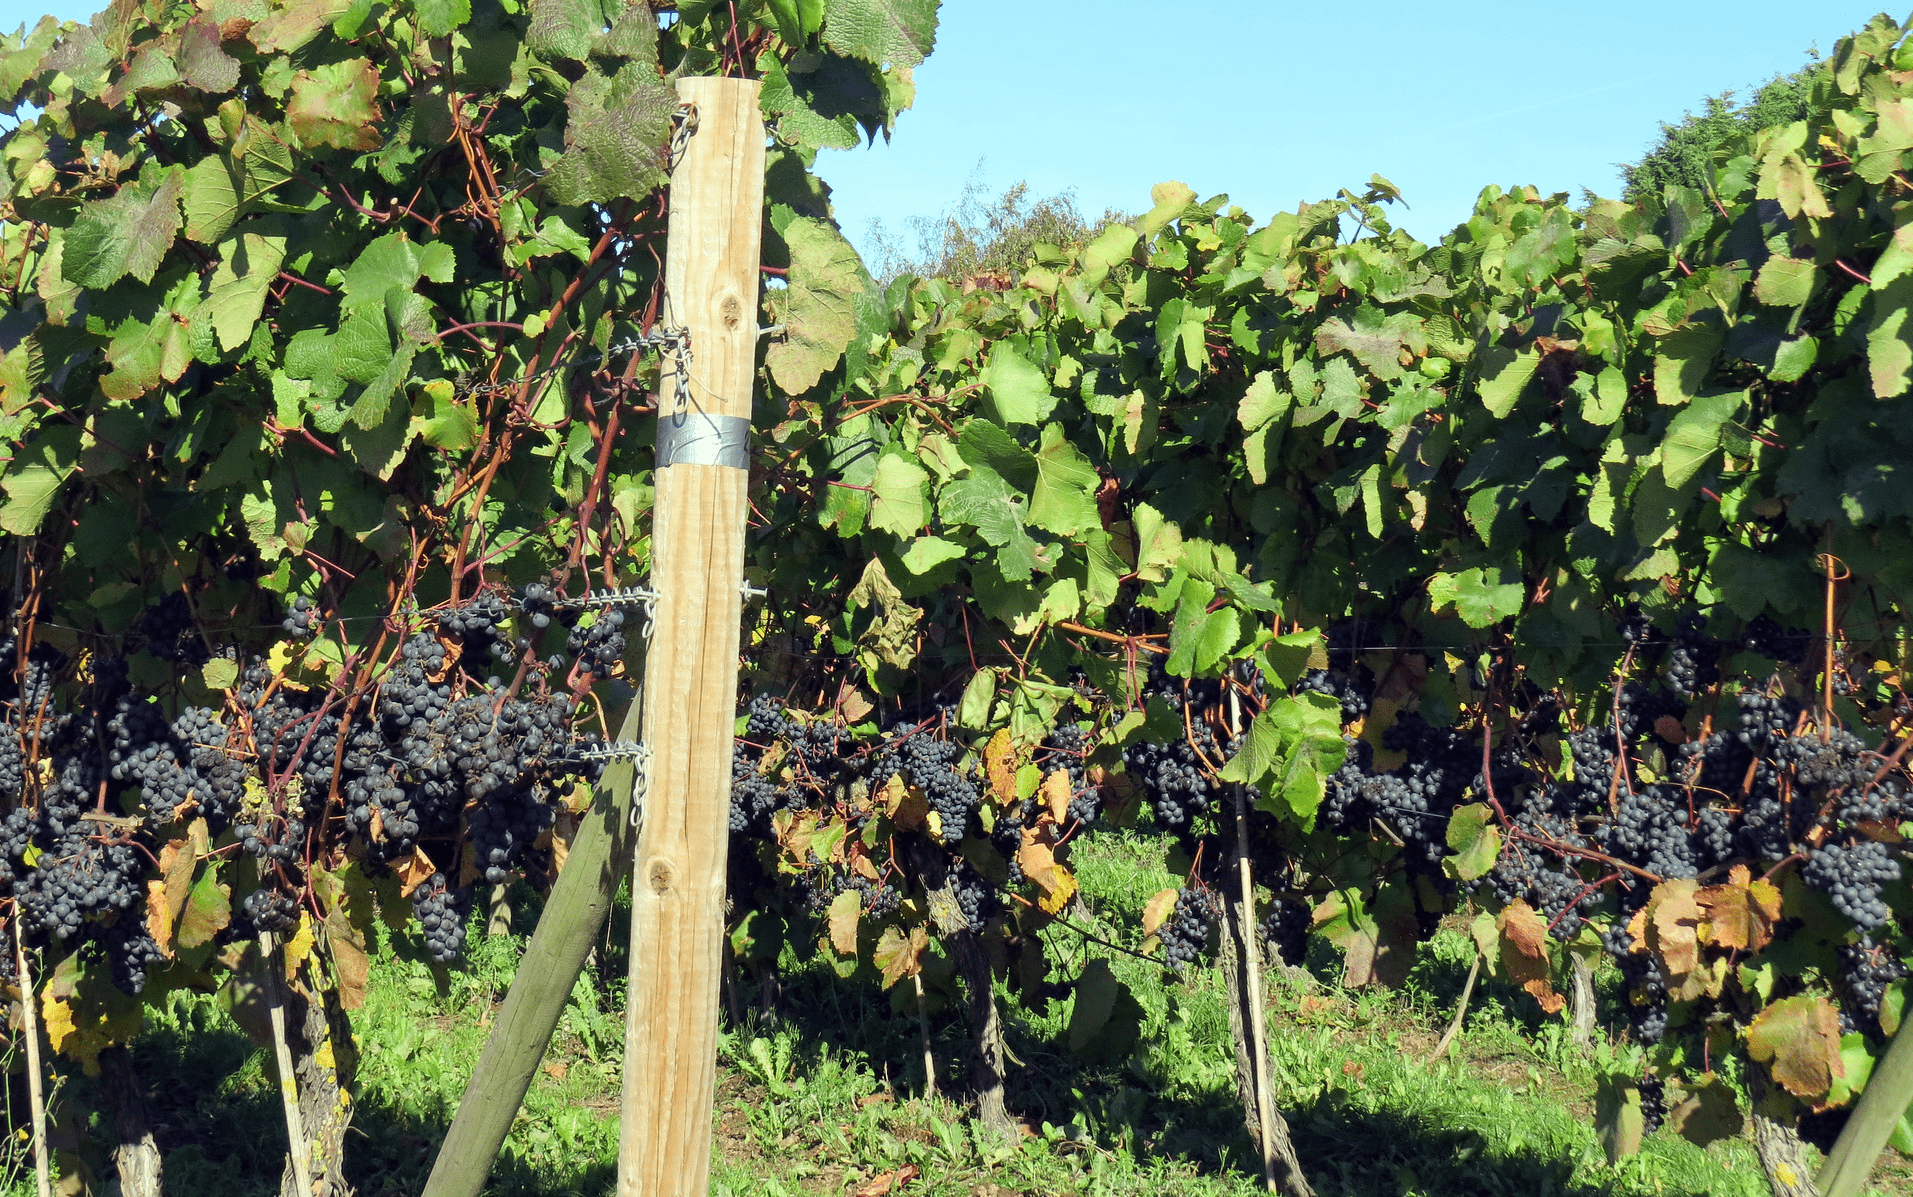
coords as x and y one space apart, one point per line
731 310
661 875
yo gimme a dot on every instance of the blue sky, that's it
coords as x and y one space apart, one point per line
1277 103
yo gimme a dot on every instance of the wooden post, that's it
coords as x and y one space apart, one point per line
697 569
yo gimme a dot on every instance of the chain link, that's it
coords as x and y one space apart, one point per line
672 342
683 124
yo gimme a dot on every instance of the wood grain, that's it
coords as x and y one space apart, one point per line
677 903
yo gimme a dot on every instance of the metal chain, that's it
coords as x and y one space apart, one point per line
683 124
674 342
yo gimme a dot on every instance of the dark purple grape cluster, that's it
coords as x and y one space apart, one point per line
1765 636
300 618
1173 777
1285 929
1185 933
442 912
1866 969
171 634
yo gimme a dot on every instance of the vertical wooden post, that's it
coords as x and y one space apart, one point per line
697 568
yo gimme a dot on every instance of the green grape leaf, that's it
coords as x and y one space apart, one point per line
1694 435
1064 498
236 294
897 33
896 501
127 233
820 316
1476 842
34 478
1890 338
615 136
1784 282
440 17
1505 372
1481 597
1017 391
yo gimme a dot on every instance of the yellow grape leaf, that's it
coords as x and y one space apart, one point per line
299 947
1051 876
1055 794
1156 911
159 916
999 763
845 909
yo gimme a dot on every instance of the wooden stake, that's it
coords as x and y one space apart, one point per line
923 1032
1252 981
288 1080
1461 1011
36 1096
697 568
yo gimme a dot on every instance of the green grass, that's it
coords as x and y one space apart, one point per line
825 1094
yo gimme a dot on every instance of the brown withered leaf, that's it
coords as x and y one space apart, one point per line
414 871
884 1182
861 862
1798 1039
1055 795
1156 911
1675 919
898 956
1741 913
1524 954
855 706
349 957
1670 729
159 916
999 765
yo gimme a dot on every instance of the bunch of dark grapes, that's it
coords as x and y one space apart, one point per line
170 633
1285 929
975 898
1653 1089
1765 636
1649 829
441 913
299 620
1185 933
599 647
1173 777
880 899
539 603
1866 969
269 910
929 764
1067 746
1852 874
1693 665
1545 880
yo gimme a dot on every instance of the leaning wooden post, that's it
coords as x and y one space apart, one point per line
697 569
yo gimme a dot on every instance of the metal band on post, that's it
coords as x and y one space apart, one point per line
694 438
